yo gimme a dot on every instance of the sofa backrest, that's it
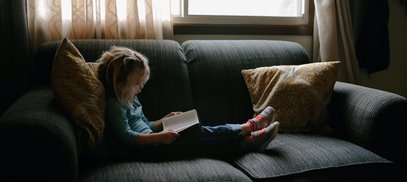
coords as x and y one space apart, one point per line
200 74
168 88
219 92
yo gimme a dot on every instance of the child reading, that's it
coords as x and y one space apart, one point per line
124 72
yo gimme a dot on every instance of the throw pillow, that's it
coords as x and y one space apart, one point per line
298 93
78 89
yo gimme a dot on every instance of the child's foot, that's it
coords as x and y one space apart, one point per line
262 119
259 140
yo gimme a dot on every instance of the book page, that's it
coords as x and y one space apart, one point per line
181 121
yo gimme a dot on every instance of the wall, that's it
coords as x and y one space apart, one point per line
393 79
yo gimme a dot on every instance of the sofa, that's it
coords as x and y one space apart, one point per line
38 140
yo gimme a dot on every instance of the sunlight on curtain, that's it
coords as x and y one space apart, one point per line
86 19
333 37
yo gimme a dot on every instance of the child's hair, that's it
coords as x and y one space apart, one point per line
116 64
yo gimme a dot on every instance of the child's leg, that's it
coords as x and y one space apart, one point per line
262 120
222 133
246 129
207 140
220 140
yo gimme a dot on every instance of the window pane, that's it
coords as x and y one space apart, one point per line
176 7
280 8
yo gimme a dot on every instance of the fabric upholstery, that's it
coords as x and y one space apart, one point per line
199 169
370 118
298 93
298 153
94 67
38 140
80 92
220 94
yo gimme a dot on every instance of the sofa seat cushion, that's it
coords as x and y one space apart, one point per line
199 169
292 154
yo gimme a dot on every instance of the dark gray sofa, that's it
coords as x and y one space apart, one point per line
38 141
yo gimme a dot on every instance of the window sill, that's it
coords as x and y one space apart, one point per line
243 29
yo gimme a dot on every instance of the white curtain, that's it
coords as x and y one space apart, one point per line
333 37
102 19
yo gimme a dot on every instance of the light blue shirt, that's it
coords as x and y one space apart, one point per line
126 123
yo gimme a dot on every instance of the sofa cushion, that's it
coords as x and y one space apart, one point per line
299 93
199 169
295 154
219 91
80 92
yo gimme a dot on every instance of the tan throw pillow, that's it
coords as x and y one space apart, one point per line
298 93
80 92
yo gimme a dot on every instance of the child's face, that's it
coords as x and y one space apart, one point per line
135 83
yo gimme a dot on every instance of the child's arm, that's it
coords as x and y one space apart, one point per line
164 137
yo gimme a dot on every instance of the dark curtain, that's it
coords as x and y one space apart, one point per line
15 64
404 3
370 27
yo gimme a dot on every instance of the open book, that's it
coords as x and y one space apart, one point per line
181 121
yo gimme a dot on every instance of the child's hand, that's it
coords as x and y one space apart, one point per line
172 114
167 137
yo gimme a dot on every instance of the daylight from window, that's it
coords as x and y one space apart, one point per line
267 8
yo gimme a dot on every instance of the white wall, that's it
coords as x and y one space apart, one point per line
393 79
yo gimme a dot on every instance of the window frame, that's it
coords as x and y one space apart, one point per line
247 29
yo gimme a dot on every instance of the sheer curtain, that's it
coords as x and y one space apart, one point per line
333 37
102 19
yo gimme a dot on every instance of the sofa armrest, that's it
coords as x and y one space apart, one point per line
371 118
37 140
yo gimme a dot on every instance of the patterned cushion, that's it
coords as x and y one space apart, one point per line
80 92
299 93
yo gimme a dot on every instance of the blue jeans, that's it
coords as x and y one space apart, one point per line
199 140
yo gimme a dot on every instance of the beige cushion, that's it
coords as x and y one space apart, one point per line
80 92
299 93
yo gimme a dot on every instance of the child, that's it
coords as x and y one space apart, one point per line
124 72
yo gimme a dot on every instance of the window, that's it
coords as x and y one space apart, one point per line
219 15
